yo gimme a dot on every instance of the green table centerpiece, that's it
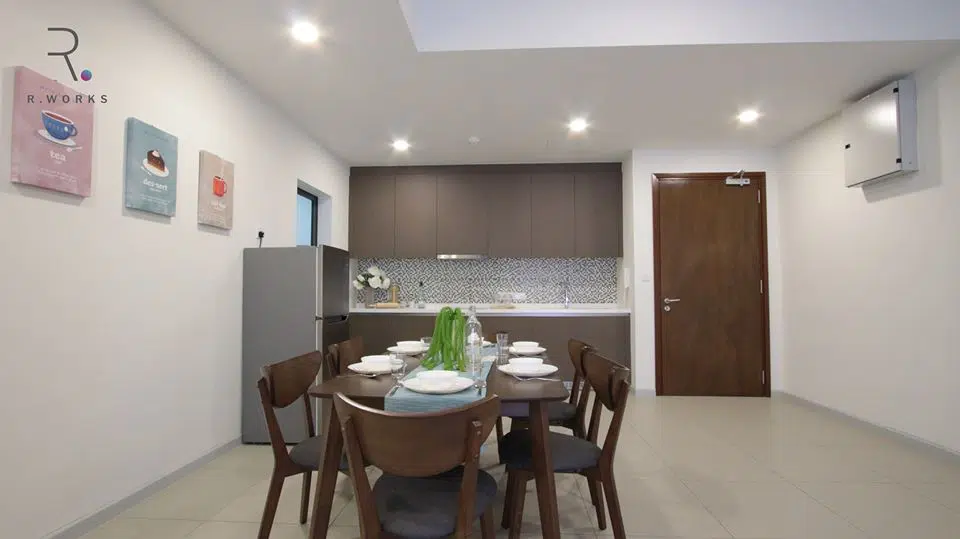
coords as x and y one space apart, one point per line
447 345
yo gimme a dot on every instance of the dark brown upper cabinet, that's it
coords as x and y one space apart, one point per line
508 205
552 216
599 215
372 220
461 214
416 216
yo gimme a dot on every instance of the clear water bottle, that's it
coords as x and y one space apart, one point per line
474 350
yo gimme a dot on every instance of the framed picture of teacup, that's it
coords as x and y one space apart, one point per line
150 169
52 142
215 201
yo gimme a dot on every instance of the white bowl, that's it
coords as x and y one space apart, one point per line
526 362
525 344
376 360
438 376
406 345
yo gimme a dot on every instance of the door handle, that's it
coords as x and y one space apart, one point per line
668 301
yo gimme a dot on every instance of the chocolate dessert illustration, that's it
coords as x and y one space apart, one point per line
155 160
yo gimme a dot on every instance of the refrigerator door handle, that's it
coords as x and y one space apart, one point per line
332 320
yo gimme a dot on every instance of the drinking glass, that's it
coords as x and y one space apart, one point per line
399 365
426 341
503 347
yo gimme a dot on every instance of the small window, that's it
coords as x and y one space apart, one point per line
308 207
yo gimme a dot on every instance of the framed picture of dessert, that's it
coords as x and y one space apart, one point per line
52 135
150 169
215 201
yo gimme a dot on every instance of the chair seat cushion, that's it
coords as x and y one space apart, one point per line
556 410
307 454
569 453
426 507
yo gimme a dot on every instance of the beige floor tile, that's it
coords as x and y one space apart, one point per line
249 506
668 520
812 463
239 530
947 494
887 511
141 528
199 496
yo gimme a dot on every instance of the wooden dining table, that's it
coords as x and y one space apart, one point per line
371 391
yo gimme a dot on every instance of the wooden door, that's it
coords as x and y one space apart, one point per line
416 216
372 220
461 215
508 201
710 273
552 216
599 215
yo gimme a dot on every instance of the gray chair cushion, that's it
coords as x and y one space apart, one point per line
556 411
569 453
307 454
426 507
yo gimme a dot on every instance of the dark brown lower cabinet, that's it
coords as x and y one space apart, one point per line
609 334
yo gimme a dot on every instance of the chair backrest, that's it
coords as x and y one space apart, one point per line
345 353
281 385
610 382
577 349
415 445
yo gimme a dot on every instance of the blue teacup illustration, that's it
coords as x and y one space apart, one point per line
59 127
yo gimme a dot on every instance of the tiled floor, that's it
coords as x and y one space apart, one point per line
689 468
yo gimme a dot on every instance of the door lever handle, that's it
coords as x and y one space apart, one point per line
668 301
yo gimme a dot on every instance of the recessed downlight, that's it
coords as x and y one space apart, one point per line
305 31
578 125
748 116
400 145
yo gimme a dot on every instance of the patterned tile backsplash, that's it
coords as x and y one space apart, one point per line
592 280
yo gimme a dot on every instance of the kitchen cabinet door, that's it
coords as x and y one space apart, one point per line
552 216
416 216
461 214
509 206
372 218
599 215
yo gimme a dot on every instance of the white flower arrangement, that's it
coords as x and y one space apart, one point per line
372 278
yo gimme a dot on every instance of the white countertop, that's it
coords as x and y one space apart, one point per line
520 309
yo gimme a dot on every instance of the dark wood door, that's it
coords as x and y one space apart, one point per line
461 214
710 263
372 216
508 204
416 216
552 215
599 214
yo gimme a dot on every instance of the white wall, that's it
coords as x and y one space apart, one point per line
120 333
871 287
644 163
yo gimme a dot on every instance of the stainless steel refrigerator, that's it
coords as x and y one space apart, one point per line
295 300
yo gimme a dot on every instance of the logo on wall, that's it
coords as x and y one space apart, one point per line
86 74
67 49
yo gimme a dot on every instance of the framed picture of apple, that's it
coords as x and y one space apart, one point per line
150 171
215 200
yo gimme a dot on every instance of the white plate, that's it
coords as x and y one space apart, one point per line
155 171
456 385
540 370
527 351
68 142
403 351
368 368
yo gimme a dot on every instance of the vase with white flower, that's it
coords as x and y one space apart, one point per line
370 280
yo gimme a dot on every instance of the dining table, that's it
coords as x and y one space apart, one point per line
372 391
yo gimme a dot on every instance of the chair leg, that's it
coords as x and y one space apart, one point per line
499 429
305 497
596 498
487 528
508 500
613 500
516 509
270 508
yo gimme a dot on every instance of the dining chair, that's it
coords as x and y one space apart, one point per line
609 381
344 353
281 385
431 484
568 414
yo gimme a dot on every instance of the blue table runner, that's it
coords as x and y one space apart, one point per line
404 400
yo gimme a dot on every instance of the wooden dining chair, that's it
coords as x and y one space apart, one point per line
569 414
610 383
281 385
344 353
431 484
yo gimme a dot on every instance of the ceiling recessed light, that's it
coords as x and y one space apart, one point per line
748 116
577 125
400 145
305 32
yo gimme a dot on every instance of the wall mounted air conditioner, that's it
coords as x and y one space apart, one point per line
880 134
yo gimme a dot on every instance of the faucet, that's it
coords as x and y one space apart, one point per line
565 284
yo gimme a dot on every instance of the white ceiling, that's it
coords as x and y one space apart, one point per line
366 84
